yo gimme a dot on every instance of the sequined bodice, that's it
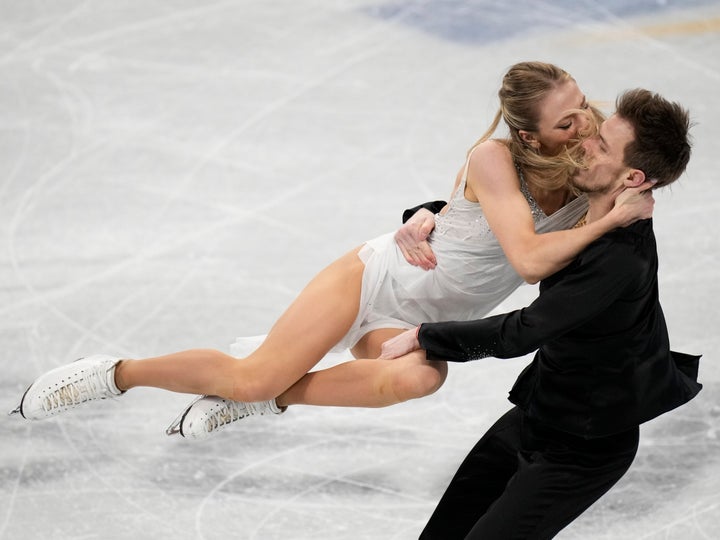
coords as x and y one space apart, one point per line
465 220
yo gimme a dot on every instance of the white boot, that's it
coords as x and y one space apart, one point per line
209 414
66 387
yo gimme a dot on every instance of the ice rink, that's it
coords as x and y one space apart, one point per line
173 172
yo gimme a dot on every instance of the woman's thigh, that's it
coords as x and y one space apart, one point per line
314 323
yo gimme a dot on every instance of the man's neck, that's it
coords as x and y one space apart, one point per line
600 204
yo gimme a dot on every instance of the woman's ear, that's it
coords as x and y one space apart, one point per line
528 137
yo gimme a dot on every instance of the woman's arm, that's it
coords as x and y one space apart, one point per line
493 182
412 239
418 223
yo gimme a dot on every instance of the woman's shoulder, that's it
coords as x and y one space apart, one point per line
491 148
492 162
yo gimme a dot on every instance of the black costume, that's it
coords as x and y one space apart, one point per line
603 367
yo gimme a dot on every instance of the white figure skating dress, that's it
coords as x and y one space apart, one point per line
472 275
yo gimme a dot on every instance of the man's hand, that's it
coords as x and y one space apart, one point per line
412 237
400 345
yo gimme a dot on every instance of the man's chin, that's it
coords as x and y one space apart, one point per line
576 180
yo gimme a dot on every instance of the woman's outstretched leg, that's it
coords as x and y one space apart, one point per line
357 383
319 317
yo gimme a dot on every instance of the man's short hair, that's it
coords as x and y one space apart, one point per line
661 148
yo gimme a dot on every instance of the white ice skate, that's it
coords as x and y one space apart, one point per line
207 415
68 386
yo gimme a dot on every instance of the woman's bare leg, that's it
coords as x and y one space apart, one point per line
316 321
369 382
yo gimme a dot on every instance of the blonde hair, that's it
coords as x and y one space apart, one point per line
524 86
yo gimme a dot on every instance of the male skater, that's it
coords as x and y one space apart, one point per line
604 363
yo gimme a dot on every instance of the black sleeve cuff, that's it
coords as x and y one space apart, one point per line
452 341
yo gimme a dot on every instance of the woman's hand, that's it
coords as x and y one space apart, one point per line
400 345
411 238
634 204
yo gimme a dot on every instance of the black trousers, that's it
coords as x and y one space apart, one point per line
524 481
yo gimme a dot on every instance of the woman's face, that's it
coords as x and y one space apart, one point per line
558 124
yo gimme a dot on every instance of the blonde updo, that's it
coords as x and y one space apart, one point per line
524 87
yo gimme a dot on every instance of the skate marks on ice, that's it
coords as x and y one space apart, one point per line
172 174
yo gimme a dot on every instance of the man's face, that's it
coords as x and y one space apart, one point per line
606 169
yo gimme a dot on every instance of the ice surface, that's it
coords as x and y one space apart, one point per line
172 174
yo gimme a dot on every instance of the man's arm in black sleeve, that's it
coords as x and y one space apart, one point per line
583 291
433 206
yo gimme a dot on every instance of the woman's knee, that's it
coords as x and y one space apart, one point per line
419 380
251 386
251 391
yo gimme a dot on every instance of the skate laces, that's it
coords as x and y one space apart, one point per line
92 386
231 411
65 396
236 410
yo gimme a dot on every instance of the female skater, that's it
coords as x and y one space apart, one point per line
493 234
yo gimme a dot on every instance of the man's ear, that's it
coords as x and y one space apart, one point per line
634 178
528 137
